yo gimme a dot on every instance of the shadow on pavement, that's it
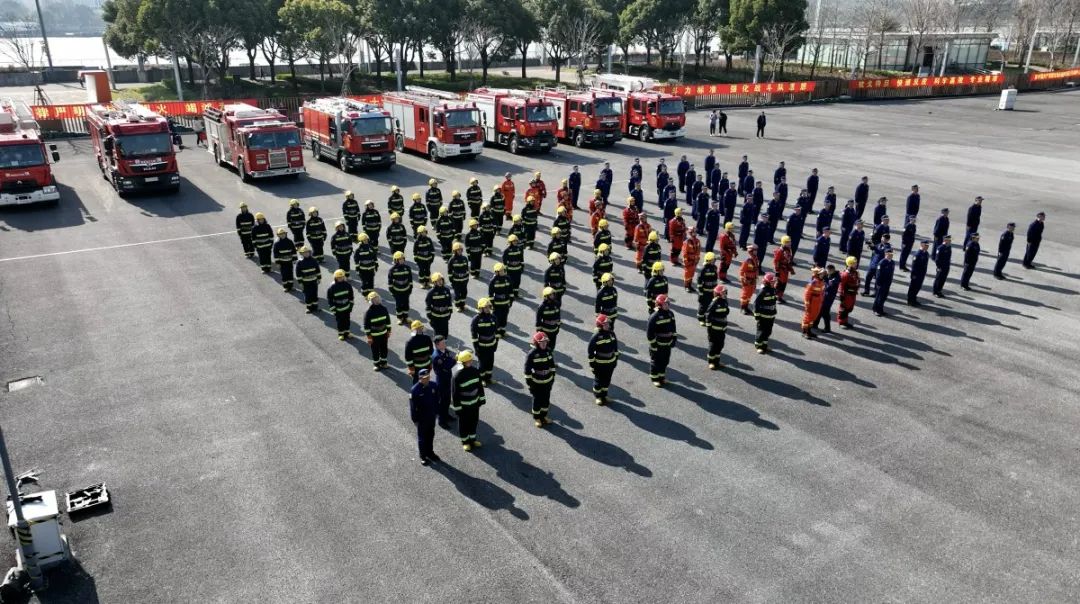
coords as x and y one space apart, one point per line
511 466
660 426
600 451
722 408
483 492
70 212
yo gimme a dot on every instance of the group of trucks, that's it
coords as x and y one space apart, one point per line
136 147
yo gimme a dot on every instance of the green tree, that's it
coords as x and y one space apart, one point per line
776 24
123 33
444 21
523 27
704 24
487 31
654 24
325 29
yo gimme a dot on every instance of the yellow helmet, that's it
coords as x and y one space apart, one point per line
348 195
631 199
653 236
415 196
455 194
548 291
531 198
553 256
338 224
464 356
607 278
394 189
373 296
851 261
473 222
564 181
561 210
785 240
420 230
499 267
515 218
394 216
483 303
730 226
432 182
458 246
710 257
657 267
243 204
473 181
536 175
435 277
495 188
312 210
282 232
416 324
339 274
363 238
597 193
512 238
260 216
369 202
294 202
443 210
302 249
603 247
555 231
399 256
485 206
678 211
602 223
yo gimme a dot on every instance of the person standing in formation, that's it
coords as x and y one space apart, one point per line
377 329
971 258
424 403
418 350
707 279
366 258
245 222
662 334
1034 240
1005 243
748 274
849 291
468 397
603 353
309 274
832 286
943 261
540 376
783 267
339 296
439 305
765 313
919 263
295 220
285 256
716 318
813 298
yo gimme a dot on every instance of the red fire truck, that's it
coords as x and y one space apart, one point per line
435 122
134 148
586 117
259 143
25 174
516 119
648 114
351 133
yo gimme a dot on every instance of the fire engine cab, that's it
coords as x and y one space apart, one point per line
134 148
649 114
516 119
435 122
259 143
586 117
351 133
25 174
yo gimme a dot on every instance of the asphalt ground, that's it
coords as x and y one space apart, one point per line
929 455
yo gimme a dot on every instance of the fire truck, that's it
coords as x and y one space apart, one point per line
134 148
351 133
259 143
435 122
648 114
25 174
586 117
516 119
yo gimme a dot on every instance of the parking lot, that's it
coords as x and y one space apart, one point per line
926 456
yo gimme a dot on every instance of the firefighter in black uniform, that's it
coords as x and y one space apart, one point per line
561 222
418 214
418 350
529 217
707 279
458 268
540 377
603 357
440 305
501 294
366 258
457 213
474 247
549 316
607 299
372 223
433 197
661 334
716 317
400 282
498 205
475 196
602 264
377 329
295 220
517 228
341 246
309 274
262 236
652 255
656 286
444 229
555 276
514 259
423 255
396 235
339 297
557 245
396 201
244 223
468 397
487 228
350 209
603 234
285 255
485 338
316 233
765 313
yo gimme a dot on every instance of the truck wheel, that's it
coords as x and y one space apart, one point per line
343 162
399 142
513 144
433 152
643 134
244 176
315 152
579 138
217 156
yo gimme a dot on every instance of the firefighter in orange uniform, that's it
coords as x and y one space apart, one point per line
597 197
507 189
538 189
631 216
728 249
849 291
783 266
565 199
813 296
599 212
748 274
677 233
641 239
691 256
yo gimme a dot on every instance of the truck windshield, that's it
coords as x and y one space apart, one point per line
21 156
273 140
139 145
463 118
672 107
370 126
608 107
540 113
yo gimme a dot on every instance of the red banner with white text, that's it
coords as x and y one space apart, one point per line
745 88
907 82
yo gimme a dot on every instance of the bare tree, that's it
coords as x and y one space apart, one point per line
18 42
1025 17
827 19
777 40
583 36
921 17
988 14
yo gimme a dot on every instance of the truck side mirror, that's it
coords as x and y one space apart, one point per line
55 155
52 147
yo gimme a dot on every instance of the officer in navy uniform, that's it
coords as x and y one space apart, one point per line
919 263
603 357
911 206
1034 239
942 259
424 403
971 258
847 224
822 247
941 228
875 259
862 195
857 242
907 241
442 363
1005 243
974 217
885 271
796 222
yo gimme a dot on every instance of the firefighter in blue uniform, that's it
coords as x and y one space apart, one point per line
423 255
394 203
555 276
875 259
457 212
285 256
574 182
245 222
661 333
485 338
474 247
1005 243
418 349
602 264
943 261
488 227
549 316
765 313
396 235
539 377
339 297
656 286
418 213
350 210
651 256
458 269
371 221
971 258
366 258
603 353
607 299
716 320
707 279
433 197
444 230
439 304
424 403
919 263
514 259
857 242
474 196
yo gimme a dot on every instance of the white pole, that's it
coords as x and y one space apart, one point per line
108 64
1031 46
1076 53
757 63
945 58
400 84
176 76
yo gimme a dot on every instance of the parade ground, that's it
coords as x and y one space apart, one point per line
926 456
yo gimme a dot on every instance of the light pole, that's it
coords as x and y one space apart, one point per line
22 527
44 37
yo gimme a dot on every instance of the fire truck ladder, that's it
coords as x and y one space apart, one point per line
333 105
442 94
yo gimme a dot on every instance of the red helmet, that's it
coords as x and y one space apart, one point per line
662 299
720 290
539 337
770 278
601 319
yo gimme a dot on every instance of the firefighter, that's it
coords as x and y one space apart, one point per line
341 247
468 397
456 209
316 233
309 274
564 199
707 279
372 222
641 239
885 271
716 321
529 218
847 224
439 305
603 357
514 259
1034 240
396 201
849 291
607 299
517 228
262 236
728 249
748 274
396 235
500 290
651 256
555 276
631 216
507 190
366 258
656 286
596 199
971 258
943 261
539 377
423 256
458 268
832 286
549 316
339 297
677 234
765 313
557 245
418 349
474 247
487 228
813 296
661 333
475 196
442 363
285 255
400 282
537 183
418 213
857 242
444 228
783 266
713 219
762 239
919 263
296 220
425 400
245 222
691 256
602 264
350 209
377 329
1005 243
731 201
606 178
599 214
603 235
561 221
499 207
485 337
433 197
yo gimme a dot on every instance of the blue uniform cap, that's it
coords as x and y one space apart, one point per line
423 373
